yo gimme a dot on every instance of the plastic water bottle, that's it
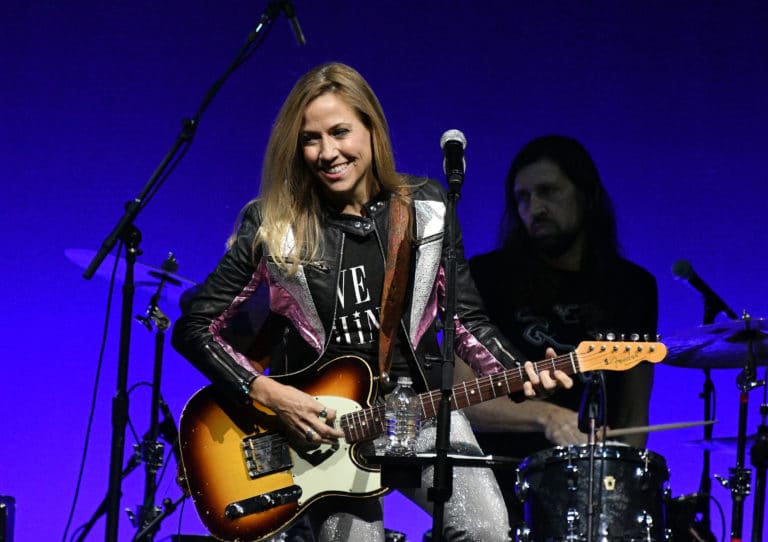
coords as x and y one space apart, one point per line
403 414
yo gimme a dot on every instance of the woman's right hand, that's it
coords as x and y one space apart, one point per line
306 418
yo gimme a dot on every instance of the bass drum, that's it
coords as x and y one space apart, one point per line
630 488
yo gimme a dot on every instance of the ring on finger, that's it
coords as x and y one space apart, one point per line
310 435
323 413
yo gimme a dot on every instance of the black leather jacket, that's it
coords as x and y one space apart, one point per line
226 324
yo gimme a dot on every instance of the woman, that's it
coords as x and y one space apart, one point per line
317 242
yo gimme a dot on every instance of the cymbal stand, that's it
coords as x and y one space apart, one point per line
759 456
150 449
739 477
702 526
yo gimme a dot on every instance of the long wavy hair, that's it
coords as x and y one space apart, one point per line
290 194
574 161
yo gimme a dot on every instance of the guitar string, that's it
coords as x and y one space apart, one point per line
369 422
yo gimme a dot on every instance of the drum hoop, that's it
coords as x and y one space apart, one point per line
580 452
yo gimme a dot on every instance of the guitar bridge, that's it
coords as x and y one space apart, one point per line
266 453
260 503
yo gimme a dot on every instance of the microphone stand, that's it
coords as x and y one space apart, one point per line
443 475
126 232
592 416
130 236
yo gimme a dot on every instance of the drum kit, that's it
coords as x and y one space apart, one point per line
630 498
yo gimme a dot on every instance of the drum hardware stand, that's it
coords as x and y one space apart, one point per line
713 305
592 416
151 450
739 477
126 232
759 457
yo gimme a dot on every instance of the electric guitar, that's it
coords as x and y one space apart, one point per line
248 480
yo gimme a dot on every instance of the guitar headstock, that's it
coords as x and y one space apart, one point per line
617 355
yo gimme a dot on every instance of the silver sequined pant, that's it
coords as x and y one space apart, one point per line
474 513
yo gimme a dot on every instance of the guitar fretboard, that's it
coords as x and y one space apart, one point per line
370 422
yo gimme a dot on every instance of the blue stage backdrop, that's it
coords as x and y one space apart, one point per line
670 97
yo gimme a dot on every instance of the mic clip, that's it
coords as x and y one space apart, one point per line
592 408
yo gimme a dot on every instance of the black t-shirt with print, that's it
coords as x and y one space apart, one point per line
573 307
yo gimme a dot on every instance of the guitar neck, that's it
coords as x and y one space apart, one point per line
472 392
589 356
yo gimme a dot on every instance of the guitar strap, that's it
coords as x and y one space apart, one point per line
396 270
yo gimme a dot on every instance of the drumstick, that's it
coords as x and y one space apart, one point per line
652 428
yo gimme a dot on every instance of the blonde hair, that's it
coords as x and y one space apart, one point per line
290 194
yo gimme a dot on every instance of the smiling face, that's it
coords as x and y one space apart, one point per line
336 146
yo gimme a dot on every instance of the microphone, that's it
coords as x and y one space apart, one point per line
291 14
713 302
453 143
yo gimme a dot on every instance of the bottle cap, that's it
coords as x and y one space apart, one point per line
404 381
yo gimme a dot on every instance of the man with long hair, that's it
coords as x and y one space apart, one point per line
557 279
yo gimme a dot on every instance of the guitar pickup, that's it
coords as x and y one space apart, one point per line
266 453
260 503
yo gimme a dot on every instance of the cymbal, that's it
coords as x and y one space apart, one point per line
723 345
144 276
721 444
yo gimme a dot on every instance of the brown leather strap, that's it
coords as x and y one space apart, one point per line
396 271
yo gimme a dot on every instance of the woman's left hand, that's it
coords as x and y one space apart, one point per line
543 384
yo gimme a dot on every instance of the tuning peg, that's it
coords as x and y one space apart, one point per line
634 337
646 337
599 337
621 337
610 337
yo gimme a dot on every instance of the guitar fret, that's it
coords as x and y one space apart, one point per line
497 384
479 389
432 406
348 424
466 394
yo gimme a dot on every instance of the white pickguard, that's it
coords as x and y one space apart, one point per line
336 472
